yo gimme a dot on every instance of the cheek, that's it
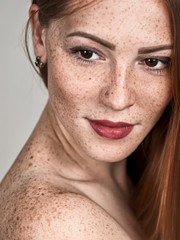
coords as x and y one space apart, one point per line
72 83
70 90
61 85
156 97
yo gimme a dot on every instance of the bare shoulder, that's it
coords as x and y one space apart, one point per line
39 211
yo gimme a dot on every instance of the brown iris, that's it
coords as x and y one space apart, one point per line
151 62
86 54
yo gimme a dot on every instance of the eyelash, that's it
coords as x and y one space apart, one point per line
164 60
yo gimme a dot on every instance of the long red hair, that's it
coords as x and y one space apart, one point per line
157 191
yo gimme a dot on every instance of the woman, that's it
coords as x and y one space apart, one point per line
103 160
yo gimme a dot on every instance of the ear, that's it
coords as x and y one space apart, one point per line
38 32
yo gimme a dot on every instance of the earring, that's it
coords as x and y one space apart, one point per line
38 63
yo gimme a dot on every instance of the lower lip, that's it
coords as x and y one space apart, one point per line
111 132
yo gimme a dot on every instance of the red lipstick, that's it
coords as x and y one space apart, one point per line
111 130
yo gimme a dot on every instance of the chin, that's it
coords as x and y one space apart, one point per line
106 151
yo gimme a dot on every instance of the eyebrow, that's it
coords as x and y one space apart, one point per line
94 38
111 46
154 49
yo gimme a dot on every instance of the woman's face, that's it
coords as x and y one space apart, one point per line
110 62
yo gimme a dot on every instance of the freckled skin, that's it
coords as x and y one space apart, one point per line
68 182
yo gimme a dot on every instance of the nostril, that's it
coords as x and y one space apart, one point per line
108 93
118 98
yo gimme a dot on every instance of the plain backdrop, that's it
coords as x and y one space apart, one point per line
22 94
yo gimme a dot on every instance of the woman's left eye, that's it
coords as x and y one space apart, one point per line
157 64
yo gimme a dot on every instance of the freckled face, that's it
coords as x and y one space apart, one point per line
121 76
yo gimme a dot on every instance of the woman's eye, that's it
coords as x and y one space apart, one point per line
151 62
88 54
155 63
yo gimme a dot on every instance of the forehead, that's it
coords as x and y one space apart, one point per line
140 21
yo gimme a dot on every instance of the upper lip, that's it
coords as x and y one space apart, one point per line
108 123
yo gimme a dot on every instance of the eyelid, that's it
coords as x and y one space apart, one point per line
159 57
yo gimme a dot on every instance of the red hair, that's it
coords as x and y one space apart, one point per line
157 193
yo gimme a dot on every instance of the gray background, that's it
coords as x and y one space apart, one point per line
22 94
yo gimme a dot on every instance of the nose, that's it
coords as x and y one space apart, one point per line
118 93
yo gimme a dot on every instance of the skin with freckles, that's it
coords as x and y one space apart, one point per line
109 61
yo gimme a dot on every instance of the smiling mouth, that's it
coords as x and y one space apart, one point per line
111 130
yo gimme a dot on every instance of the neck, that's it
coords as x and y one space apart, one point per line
72 163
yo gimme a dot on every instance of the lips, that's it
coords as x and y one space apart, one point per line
111 130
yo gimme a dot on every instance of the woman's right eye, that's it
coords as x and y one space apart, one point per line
86 55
